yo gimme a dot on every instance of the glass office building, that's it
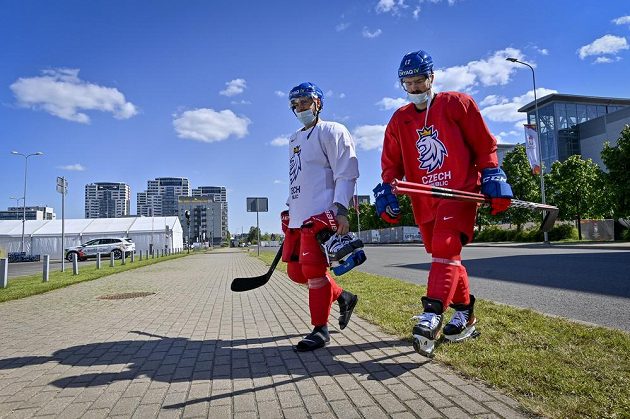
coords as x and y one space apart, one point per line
560 116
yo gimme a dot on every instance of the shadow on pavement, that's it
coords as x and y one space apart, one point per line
181 359
577 272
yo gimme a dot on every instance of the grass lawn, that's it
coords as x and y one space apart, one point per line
553 367
25 286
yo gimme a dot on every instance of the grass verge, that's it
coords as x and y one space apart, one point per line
552 366
25 286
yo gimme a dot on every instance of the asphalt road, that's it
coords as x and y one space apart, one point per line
590 285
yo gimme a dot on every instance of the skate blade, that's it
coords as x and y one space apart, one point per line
468 333
424 346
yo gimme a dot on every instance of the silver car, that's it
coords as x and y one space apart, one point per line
104 246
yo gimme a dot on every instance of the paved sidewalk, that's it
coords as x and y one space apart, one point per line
195 349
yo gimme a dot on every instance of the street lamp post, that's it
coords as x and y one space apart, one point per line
187 215
539 143
26 156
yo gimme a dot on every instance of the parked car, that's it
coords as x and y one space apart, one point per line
105 246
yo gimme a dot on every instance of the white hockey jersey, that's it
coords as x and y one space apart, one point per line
323 169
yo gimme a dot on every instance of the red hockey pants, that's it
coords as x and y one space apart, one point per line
306 264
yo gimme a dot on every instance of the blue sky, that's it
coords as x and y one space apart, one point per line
129 91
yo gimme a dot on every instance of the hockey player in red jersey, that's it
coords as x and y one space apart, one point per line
440 139
323 170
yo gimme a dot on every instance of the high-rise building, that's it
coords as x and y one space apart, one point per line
205 219
161 197
32 213
107 200
218 194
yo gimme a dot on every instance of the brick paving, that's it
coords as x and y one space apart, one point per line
195 349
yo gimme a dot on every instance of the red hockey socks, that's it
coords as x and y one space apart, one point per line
322 292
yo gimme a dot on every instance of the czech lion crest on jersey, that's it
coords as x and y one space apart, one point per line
295 164
431 151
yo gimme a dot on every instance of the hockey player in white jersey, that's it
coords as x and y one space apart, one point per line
323 170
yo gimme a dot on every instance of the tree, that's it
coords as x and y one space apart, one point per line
371 221
577 188
252 236
617 161
525 185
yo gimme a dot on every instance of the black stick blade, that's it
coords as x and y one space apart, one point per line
549 220
246 284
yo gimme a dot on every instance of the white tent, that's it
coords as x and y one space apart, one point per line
43 237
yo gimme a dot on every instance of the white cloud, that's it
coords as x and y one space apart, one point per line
506 110
241 102
623 20
369 137
280 141
61 93
370 35
278 182
513 135
492 71
389 6
454 78
342 27
208 125
607 44
395 7
606 60
388 103
73 167
342 95
492 100
234 87
280 93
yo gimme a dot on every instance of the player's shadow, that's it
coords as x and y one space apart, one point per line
173 360
564 271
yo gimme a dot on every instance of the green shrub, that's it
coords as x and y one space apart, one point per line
625 235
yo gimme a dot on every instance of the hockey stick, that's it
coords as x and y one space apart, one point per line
399 186
246 284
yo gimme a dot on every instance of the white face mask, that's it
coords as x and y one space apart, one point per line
306 117
419 98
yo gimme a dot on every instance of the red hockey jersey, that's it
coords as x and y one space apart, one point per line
450 151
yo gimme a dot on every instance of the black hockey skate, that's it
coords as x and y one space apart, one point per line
462 324
318 338
347 301
426 333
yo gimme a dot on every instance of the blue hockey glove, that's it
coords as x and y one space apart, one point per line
386 203
352 261
494 185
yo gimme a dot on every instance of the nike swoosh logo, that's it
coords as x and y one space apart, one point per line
304 254
447 218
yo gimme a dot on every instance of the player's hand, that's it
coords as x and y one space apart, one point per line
343 225
386 203
494 185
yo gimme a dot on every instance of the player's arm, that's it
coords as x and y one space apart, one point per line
344 164
387 206
493 179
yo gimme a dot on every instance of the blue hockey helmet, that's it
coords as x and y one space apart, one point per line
417 63
307 89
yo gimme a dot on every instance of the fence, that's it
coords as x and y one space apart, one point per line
402 234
